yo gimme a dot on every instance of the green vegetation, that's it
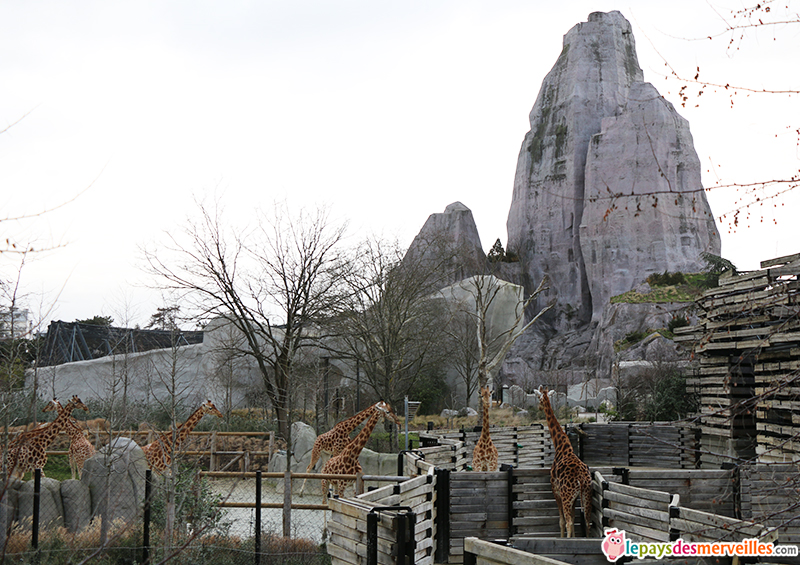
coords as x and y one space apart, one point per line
97 321
499 255
677 321
631 339
57 467
666 279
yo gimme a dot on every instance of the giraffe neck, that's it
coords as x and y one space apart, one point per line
351 423
48 433
557 435
354 447
188 426
485 408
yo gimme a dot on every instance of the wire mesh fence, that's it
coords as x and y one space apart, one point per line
132 516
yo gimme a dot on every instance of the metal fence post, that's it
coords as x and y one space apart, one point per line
258 519
148 491
37 491
442 518
372 538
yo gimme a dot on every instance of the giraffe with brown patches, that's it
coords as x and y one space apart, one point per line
80 448
336 439
569 476
159 452
28 451
484 456
346 463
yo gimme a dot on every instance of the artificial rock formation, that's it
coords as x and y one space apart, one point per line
607 191
644 207
449 242
607 188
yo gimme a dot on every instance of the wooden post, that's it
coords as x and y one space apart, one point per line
213 463
287 503
359 483
271 446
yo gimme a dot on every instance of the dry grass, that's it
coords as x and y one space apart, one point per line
501 417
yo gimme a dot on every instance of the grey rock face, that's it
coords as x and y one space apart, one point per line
51 509
453 236
115 479
589 81
556 221
644 207
77 502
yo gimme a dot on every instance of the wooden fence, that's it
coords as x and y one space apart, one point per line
771 494
657 516
200 444
624 444
747 343
517 504
393 524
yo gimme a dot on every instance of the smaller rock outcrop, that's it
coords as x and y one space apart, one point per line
51 510
77 502
115 479
449 244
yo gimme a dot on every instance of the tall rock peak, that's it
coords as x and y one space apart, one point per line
596 87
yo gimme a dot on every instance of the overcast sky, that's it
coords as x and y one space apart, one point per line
387 111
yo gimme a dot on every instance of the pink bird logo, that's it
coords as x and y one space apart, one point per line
614 544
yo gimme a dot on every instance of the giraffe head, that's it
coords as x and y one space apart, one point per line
209 408
75 403
52 406
543 394
387 411
486 395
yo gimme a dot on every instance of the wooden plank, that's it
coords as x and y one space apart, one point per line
640 492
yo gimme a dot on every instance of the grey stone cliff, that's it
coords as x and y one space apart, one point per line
607 191
644 207
598 130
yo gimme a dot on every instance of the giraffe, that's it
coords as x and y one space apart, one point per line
346 463
158 452
28 451
337 438
484 456
80 448
569 476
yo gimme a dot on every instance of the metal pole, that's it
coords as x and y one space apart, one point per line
372 538
406 406
258 519
37 491
148 489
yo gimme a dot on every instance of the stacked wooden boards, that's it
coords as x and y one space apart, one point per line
747 342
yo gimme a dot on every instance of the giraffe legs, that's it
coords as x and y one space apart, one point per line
559 505
316 453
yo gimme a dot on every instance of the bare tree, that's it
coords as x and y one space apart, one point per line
464 351
736 25
272 284
392 323
479 296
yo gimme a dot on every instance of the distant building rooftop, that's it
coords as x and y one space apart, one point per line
67 342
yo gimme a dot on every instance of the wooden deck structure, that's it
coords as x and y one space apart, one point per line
747 342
